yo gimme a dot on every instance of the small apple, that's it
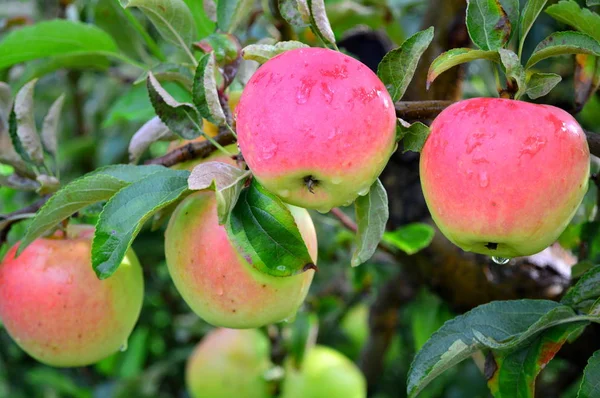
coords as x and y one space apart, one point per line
229 363
316 127
324 373
217 282
58 311
504 177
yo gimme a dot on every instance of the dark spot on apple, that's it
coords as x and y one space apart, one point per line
492 245
264 286
310 183
234 311
494 204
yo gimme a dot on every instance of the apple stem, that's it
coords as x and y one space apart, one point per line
311 183
310 266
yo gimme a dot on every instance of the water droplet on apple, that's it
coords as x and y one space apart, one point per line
268 150
123 347
483 179
500 260
284 193
336 180
364 191
324 210
220 291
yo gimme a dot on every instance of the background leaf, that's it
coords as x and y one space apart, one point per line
397 68
127 211
50 126
230 13
56 37
263 230
26 129
530 12
410 238
488 24
372 214
562 43
204 25
590 384
153 130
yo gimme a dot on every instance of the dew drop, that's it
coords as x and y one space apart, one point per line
284 193
324 210
123 347
483 179
336 180
364 191
500 260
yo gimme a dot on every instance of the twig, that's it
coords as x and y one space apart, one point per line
9 219
420 110
593 140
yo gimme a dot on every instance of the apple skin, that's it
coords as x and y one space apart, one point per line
217 282
228 362
58 311
503 171
314 113
324 373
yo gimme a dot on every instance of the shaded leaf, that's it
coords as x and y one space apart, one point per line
562 43
96 186
540 84
153 130
410 238
530 12
227 181
512 9
230 13
50 125
29 139
261 53
56 37
488 24
264 232
514 69
456 57
180 117
319 21
172 18
584 293
8 154
126 212
372 214
413 136
397 68
591 3
289 10
496 325
582 19
590 384
516 371
587 77
204 92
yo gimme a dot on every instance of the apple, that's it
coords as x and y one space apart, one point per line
324 373
57 310
229 363
504 177
217 282
316 127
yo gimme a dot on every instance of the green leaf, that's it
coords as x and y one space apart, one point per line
496 325
319 21
303 335
372 214
204 25
227 181
51 38
265 233
530 12
514 69
26 129
172 19
50 126
181 117
289 10
126 212
516 371
16 141
413 136
261 53
410 238
540 84
456 57
96 186
230 13
584 293
487 23
582 19
397 68
512 9
204 92
590 384
153 130
562 43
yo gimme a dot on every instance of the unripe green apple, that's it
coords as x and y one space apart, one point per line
316 127
57 310
229 363
504 177
217 282
324 373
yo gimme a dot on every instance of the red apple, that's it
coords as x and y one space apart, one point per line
504 177
58 311
217 282
229 363
316 127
